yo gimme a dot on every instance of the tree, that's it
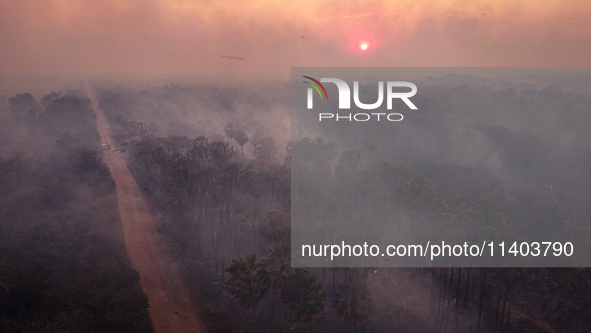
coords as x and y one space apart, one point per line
159 156
122 121
175 145
242 139
566 304
272 227
353 303
220 152
137 129
143 150
230 131
278 265
304 298
418 192
21 105
200 149
153 128
181 187
248 283
264 150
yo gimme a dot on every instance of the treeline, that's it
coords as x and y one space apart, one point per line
218 202
509 299
219 205
235 216
398 199
63 262
457 294
221 210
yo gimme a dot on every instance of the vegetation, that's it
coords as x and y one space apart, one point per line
224 191
63 263
229 211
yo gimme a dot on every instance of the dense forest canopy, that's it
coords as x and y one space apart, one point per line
216 165
63 262
492 167
481 159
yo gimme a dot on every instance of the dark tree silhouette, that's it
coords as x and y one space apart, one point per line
248 282
264 150
242 139
353 303
304 298
21 105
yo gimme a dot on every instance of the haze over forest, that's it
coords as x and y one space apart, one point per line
146 170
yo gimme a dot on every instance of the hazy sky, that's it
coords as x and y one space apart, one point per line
182 36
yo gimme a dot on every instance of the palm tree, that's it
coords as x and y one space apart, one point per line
272 227
278 266
304 298
353 303
248 282
242 139
230 130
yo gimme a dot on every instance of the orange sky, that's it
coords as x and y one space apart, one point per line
188 37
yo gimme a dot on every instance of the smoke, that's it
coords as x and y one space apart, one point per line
202 108
156 37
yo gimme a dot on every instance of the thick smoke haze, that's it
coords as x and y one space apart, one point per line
190 37
147 173
194 108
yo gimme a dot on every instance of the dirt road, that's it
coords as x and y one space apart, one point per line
170 308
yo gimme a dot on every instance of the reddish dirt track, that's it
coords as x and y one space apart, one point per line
170 308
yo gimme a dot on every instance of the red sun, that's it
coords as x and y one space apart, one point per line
363 46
